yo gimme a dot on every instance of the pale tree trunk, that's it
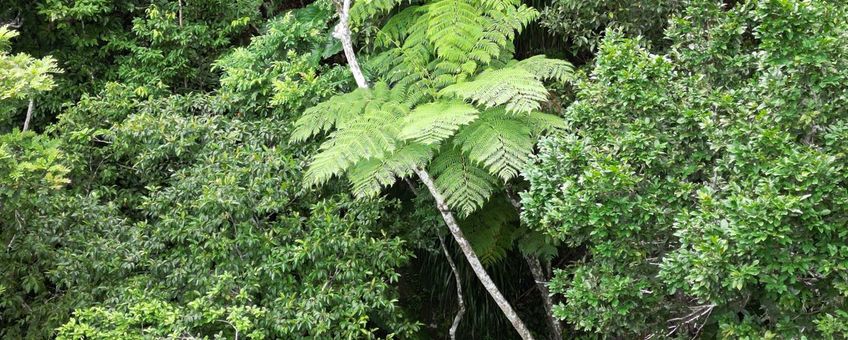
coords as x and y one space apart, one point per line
541 285
30 108
541 279
461 302
342 33
472 258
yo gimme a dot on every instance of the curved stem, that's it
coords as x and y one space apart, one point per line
461 302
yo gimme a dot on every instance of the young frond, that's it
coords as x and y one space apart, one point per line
516 88
465 186
434 122
546 69
337 110
370 176
499 141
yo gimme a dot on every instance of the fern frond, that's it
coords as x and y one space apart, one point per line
541 122
434 122
370 176
370 134
492 230
499 141
465 186
397 28
545 68
338 110
454 28
362 10
514 87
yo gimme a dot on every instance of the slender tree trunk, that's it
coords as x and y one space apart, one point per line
540 278
471 256
461 302
30 108
342 33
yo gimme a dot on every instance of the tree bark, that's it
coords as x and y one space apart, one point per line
342 33
541 280
461 302
30 108
472 258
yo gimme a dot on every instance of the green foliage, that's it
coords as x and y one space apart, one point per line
583 23
428 55
22 77
707 184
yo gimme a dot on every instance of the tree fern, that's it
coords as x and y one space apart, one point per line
500 142
433 122
524 92
466 187
370 176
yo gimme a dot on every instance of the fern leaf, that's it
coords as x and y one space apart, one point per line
498 141
338 110
434 122
368 135
465 186
514 87
545 69
454 28
370 176
492 230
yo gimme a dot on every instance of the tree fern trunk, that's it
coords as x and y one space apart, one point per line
342 32
471 256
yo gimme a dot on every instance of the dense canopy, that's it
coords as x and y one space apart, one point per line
464 169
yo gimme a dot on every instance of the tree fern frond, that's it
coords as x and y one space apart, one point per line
434 122
370 176
541 122
370 134
397 28
337 110
454 28
492 230
499 141
514 87
545 68
362 10
465 186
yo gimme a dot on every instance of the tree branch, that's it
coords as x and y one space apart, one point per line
471 256
461 302
30 108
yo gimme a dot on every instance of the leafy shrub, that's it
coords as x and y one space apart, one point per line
708 184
